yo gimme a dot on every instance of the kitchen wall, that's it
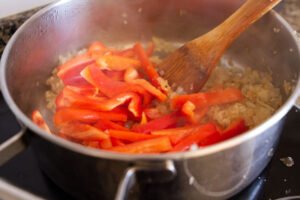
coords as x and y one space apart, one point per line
10 7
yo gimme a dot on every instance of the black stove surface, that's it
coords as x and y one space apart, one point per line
276 181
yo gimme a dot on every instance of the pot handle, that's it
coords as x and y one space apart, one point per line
8 150
13 146
154 172
10 192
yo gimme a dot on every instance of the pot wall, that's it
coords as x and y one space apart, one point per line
216 176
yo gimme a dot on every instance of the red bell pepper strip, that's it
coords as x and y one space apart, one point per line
130 74
97 47
70 97
114 75
75 80
67 115
72 76
174 134
94 75
193 114
177 134
150 88
130 136
84 132
130 52
105 144
75 64
157 145
193 138
188 109
144 119
118 63
157 124
105 124
147 65
38 119
83 91
206 99
116 142
147 99
235 128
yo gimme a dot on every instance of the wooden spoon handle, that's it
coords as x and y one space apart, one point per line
232 27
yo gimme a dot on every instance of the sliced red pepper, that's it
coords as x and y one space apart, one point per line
134 105
105 124
193 138
147 65
84 91
105 144
97 47
84 132
115 75
130 136
74 65
177 134
150 88
116 142
193 114
157 124
147 99
72 77
157 145
188 109
66 115
117 63
144 119
94 75
69 98
206 99
235 128
130 74
38 119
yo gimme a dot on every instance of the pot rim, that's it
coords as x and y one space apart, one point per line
278 115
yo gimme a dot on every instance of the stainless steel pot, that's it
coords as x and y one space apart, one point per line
215 172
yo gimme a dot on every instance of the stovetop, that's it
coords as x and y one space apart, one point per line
278 180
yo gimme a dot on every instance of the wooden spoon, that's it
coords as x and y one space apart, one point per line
190 66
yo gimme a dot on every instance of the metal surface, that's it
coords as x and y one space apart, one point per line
12 147
150 173
8 150
215 172
9 192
